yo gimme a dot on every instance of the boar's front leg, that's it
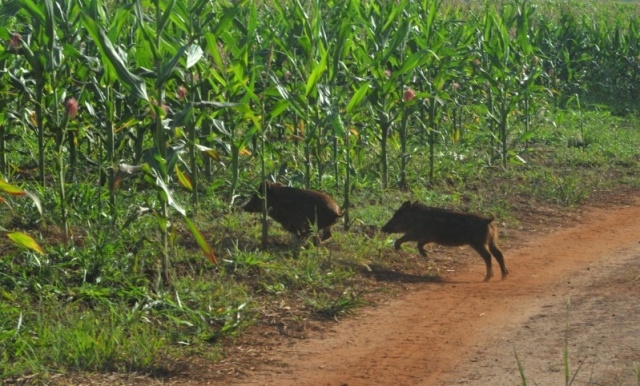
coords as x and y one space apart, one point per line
326 234
403 239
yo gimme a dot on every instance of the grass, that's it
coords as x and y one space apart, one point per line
93 306
109 273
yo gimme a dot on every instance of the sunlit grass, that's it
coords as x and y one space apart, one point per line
94 306
95 302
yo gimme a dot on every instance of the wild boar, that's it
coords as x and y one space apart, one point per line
297 210
426 224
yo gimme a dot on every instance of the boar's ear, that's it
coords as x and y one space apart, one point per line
269 184
272 184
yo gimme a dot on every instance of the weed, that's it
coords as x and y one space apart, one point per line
328 306
636 372
122 284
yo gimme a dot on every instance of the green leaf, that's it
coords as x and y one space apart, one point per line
33 10
50 28
279 107
357 97
338 126
316 74
202 242
130 81
399 36
7 296
170 201
15 191
168 67
227 17
25 241
165 16
396 11
416 59
213 50
183 116
526 136
11 189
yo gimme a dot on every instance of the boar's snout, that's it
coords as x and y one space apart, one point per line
254 205
401 220
391 227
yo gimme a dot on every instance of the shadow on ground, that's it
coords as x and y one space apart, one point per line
380 273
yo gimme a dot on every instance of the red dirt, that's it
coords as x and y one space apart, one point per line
580 283
573 286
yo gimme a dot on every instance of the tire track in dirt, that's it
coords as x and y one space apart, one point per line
440 328
593 316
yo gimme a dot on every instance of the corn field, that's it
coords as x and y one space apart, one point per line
199 93
113 112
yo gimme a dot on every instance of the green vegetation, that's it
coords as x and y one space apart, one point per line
137 127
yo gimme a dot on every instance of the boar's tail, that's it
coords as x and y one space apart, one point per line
491 218
340 213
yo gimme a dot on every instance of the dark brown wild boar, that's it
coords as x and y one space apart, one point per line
425 225
297 209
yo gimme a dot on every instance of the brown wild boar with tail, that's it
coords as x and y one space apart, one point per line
426 224
297 210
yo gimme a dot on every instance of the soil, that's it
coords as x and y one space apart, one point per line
572 294
567 314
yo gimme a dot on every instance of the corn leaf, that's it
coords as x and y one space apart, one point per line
35 200
183 179
357 98
212 153
159 183
33 9
165 16
168 67
11 189
194 54
25 241
416 59
278 108
204 246
183 116
316 74
15 191
130 81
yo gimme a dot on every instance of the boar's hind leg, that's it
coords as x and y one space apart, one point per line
319 237
486 256
421 249
302 234
497 253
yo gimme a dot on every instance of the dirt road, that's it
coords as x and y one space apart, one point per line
575 289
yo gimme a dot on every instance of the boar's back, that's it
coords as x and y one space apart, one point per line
303 206
452 228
